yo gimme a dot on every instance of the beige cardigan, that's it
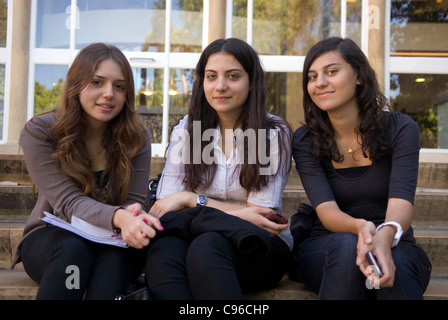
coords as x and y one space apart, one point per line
58 193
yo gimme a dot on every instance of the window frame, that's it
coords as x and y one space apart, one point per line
5 58
163 60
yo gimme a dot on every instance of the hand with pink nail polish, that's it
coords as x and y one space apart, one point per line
137 227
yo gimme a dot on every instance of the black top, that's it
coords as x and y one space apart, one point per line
362 192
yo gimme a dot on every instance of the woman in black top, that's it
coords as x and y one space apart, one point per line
358 164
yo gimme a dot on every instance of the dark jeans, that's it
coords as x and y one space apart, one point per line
102 271
327 265
209 267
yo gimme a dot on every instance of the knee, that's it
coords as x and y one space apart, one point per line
166 251
207 248
74 249
342 248
344 243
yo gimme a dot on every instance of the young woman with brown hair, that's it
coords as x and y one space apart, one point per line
89 158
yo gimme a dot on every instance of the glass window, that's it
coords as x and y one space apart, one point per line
186 26
280 29
3 22
131 25
2 98
181 85
53 24
48 86
354 20
149 97
239 19
284 97
425 98
419 27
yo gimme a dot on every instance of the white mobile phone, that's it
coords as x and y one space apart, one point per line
374 264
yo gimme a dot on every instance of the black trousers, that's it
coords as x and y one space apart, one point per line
67 266
210 267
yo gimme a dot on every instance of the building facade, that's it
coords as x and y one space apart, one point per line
405 40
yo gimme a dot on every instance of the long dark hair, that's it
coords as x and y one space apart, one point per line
123 137
371 104
254 116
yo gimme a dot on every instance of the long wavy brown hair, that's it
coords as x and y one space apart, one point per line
254 116
122 139
371 104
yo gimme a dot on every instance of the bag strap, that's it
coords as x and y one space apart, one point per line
152 191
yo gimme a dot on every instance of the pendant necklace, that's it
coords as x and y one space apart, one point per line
350 150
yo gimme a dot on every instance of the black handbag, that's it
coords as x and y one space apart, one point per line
301 224
151 192
135 291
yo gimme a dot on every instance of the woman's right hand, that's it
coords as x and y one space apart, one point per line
137 227
174 202
366 231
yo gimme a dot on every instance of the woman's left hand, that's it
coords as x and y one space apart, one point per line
137 227
256 215
380 247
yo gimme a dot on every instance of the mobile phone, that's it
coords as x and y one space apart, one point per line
276 217
375 265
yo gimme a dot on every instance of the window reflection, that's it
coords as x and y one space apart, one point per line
48 86
2 98
419 27
3 22
354 20
425 98
181 85
149 97
53 21
186 26
239 19
283 96
291 29
131 25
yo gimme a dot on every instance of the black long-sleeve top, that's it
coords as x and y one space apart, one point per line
362 192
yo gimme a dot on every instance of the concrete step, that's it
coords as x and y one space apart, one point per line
16 285
433 240
430 204
431 175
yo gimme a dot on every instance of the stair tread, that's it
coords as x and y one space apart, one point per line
15 284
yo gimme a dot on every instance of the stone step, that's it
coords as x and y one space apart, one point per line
431 175
433 240
430 204
16 285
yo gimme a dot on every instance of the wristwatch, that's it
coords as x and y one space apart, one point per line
398 234
201 200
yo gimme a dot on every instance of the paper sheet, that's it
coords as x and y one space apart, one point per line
86 230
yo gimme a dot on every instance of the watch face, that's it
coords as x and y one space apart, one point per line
202 200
